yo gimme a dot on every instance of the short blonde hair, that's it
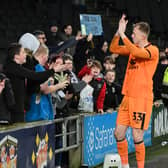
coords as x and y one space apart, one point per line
43 49
143 27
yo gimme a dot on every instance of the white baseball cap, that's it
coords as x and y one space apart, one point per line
29 41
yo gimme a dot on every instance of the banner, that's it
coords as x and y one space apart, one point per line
91 24
99 138
28 147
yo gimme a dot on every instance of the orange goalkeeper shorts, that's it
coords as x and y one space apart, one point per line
135 112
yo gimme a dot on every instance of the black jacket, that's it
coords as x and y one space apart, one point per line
7 101
17 75
113 96
157 81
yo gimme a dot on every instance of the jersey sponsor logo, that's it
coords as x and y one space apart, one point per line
132 64
133 67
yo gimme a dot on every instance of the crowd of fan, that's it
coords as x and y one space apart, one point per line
58 74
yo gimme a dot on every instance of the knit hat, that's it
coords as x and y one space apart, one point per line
29 41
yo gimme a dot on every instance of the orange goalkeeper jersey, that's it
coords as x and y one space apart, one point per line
141 67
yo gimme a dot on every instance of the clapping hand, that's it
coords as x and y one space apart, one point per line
122 25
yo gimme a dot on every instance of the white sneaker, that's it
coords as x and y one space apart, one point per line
58 167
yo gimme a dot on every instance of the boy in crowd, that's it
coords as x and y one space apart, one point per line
113 92
97 88
108 64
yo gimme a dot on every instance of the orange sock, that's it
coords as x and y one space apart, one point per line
140 154
123 151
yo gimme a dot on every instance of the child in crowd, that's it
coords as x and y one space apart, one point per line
108 64
92 96
113 92
43 98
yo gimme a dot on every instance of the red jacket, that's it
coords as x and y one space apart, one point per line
99 92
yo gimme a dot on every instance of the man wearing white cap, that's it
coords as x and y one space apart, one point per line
17 74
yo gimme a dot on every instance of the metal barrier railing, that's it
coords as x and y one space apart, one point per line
67 134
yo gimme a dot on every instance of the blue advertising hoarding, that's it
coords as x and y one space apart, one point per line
91 24
32 147
99 138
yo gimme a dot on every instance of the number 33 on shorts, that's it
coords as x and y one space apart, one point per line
138 119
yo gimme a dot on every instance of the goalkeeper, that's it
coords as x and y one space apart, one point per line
136 107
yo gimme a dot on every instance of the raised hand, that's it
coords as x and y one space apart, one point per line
79 36
122 25
89 37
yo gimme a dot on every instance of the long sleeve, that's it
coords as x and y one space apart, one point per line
136 51
17 74
78 86
21 72
66 44
81 54
118 49
101 97
82 46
